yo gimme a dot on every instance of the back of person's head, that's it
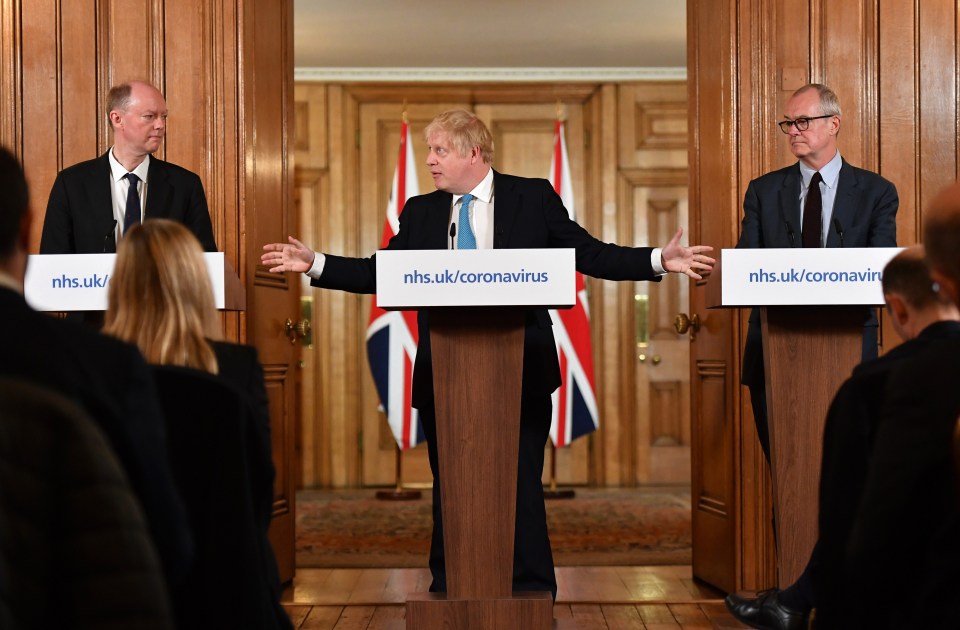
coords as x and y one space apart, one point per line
160 296
941 238
908 276
14 203
465 131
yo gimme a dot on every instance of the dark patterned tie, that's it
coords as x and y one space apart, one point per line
812 211
131 214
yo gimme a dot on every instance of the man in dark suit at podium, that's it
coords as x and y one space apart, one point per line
821 201
108 378
491 210
902 560
93 203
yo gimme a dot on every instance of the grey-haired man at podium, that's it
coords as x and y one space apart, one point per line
93 203
491 210
820 201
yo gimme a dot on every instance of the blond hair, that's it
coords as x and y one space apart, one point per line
160 296
465 131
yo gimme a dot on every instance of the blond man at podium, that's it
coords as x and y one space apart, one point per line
475 207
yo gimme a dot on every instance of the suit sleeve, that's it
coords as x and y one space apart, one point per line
594 257
883 219
57 237
198 216
751 235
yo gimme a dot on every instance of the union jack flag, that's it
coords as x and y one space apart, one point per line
392 335
574 404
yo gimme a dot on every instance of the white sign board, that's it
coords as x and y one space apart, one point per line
814 276
78 282
477 277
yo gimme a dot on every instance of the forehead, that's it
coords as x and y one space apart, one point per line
145 98
803 104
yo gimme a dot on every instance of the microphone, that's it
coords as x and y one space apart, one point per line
789 232
110 237
453 233
839 229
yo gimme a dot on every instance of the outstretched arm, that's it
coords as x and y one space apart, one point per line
292 256
686 260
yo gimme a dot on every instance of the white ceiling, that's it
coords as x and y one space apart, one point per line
490 34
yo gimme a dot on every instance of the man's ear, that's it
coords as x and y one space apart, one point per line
897 308
948 286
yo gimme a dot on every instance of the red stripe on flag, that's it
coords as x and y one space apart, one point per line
557 162
407 411
562 402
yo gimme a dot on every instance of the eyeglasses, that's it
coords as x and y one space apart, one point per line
800 123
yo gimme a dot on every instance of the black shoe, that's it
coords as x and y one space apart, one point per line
765 612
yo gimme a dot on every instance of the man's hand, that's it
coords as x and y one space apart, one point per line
295 256
686 260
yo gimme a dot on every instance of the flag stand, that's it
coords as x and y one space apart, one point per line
552 491
399 493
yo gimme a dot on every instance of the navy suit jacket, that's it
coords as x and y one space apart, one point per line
865 207
527 214
80 220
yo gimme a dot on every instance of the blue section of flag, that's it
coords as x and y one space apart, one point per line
378 356
581 422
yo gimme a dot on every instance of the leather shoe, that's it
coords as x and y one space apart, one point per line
765 612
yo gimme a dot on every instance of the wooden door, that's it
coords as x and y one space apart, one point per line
268 214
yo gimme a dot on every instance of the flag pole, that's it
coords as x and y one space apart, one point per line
552 491
399 493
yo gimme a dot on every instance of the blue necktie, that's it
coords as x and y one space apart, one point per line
131 214
465 237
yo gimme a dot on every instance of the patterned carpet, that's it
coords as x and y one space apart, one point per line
611 526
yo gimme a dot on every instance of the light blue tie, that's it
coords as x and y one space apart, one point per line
465 237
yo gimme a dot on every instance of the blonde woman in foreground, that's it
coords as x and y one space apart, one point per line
160 298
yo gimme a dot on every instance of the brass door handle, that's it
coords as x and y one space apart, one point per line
682 324
298 329
655 359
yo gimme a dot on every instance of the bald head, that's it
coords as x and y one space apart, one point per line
941 238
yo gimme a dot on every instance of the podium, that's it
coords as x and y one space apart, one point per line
78 282
478 301
812 307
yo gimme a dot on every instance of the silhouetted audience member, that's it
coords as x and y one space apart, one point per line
923 318
903 559
106 377
161 299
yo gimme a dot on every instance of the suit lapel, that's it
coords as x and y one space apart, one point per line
438 222
506 210
790 208
158 191
101 193
846 203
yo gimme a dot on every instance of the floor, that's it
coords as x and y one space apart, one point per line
594 598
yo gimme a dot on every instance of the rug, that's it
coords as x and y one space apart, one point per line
599 527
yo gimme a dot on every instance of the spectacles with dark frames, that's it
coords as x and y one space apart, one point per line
802 123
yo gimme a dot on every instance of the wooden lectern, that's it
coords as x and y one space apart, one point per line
476 338
812 307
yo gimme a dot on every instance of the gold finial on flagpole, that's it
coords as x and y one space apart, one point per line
559 110
404 114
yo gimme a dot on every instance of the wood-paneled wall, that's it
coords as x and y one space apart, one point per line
226 70
628 151
894 65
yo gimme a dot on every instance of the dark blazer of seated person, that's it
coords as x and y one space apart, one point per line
75 549
213 433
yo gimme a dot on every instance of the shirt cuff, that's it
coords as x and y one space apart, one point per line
655 257
319 261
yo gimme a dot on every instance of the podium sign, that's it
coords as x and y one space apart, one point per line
477 277
814 276
78 282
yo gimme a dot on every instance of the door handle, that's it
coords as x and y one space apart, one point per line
297 329
682 324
